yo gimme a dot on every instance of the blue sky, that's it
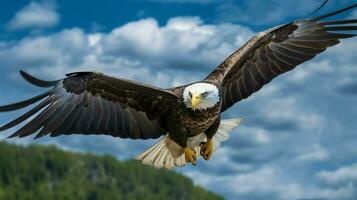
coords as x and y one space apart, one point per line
299 138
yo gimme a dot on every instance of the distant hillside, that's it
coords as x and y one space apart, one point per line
41 172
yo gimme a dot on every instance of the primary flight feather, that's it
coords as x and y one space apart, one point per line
188 116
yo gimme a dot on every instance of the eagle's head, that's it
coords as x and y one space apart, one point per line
201 96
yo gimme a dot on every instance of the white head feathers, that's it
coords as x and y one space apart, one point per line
201 96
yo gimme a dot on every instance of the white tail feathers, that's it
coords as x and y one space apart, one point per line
168 154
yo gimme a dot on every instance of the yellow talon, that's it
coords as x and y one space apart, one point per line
207 149
190 155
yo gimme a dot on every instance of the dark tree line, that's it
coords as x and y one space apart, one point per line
45 172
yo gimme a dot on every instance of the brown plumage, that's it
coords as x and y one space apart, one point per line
93 103
275 51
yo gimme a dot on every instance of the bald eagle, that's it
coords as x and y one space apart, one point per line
187 117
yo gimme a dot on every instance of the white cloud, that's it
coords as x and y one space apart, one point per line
343 175
254 135
286 109
183 43
35 15
267 183
315 153
49 54
245 186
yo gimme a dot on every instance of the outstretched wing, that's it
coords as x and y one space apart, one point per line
276 51
92 103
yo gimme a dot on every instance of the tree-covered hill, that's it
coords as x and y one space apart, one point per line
42 172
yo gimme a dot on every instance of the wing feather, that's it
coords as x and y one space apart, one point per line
25 103
276 51
92 103
25 116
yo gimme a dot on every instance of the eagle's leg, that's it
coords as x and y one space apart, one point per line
207 147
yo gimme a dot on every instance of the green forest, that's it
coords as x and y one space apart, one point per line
45 172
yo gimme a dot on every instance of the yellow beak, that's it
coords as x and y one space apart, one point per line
196 99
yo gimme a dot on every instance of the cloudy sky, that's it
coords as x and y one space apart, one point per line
299 137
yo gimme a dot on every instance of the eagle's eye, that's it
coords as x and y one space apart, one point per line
204 94
190 94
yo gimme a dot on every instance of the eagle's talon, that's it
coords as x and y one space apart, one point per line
207 149
190 155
